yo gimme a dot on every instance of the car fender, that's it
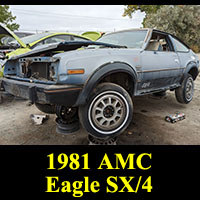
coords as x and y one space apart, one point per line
189 66
100 73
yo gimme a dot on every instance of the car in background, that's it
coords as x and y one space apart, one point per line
22 45
25 44
22 34
7 39
93 35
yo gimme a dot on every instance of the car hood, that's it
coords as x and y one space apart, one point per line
62 47
6 31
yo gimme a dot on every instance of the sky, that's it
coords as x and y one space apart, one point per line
74 18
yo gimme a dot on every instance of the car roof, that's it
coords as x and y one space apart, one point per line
45 35
61 33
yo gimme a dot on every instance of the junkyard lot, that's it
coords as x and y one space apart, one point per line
148 125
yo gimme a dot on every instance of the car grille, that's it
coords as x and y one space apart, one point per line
37 68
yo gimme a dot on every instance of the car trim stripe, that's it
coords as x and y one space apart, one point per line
61 90
158 70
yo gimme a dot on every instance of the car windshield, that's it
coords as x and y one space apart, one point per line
130 39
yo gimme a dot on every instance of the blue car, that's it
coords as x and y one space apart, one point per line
94 82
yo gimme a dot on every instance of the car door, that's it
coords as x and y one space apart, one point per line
182 52
160 65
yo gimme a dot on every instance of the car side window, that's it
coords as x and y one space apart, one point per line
180 46
159 42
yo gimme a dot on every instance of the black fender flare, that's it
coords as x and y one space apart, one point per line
189 66
100 73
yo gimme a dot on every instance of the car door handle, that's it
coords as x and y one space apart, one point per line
176 60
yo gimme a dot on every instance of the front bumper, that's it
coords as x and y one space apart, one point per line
41 93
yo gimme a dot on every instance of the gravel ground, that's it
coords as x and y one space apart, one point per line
147 128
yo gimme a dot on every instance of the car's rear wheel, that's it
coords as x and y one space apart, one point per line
108 111
184 94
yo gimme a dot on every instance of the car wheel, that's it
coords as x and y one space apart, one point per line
185 92
67 114
108 111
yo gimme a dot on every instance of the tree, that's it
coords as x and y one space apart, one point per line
148 9
180 20
7 18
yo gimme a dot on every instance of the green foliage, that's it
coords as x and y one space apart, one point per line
148 9
180 20
7 18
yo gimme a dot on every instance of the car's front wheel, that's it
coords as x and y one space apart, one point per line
108 111
184 94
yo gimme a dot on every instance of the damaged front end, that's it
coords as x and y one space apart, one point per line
41 64
37 66
36 69
35 79
34 76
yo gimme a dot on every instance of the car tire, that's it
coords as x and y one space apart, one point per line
185 92
66 128
108 111
67 114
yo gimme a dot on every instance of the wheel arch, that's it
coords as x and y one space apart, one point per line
104 71
192 69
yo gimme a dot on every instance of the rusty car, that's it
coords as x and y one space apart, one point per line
93 82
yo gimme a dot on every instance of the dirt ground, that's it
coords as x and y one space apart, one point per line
148 126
